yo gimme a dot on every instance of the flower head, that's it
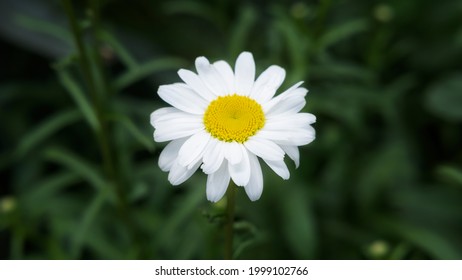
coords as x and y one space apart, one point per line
223 121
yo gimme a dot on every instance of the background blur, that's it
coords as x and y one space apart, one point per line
78 166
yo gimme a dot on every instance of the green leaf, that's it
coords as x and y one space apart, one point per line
46 129
119 49
48 187
79 97
451 173
297 46
193 8
428 240
88 219
299 224
146 69
43 26
444 98
78 165
341 32
188 205
241 30
134 131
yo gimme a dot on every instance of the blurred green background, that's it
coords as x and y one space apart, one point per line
78 166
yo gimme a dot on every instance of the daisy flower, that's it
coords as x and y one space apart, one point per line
223 121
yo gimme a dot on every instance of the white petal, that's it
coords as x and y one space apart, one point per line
178 173
210 76
267 83
227 73
244 73
232 152
170 116
213 156
174 130
162 112
268 105
295 120
290 122
264 148
297 137
293 153
169 154
279 167
182 97
196 84
291 104
193 149
255 186
272 135
217 183
240 172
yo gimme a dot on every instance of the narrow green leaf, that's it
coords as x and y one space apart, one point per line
342 32
88 219
42 26
444 98
66 158
426 239
241 30
119 49
146 69
189 204
48 187
134 131
297 46
299 228
46 129
193 8
79 97
451 173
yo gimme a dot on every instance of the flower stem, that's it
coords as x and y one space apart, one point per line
229 232
98 89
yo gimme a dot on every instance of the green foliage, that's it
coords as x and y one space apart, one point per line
78 163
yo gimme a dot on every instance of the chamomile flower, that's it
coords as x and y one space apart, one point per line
224 121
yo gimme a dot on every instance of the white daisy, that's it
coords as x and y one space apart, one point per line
223 120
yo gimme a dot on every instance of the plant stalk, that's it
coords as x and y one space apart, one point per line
229 226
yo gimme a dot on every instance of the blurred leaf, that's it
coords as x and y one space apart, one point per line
341 32
298 223
297 45
132 129
88 219
35 25
400 252
451 173
46 129
193 8
146 69
241 30
43 26
342 71
186 207
427 239
48 187
252 237
444 98
382 169
78 165
119 49
79 97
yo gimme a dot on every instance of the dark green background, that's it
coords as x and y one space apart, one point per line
383 179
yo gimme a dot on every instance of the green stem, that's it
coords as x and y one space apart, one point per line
99 102
229 231
103 130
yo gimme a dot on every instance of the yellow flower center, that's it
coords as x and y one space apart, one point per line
234 118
